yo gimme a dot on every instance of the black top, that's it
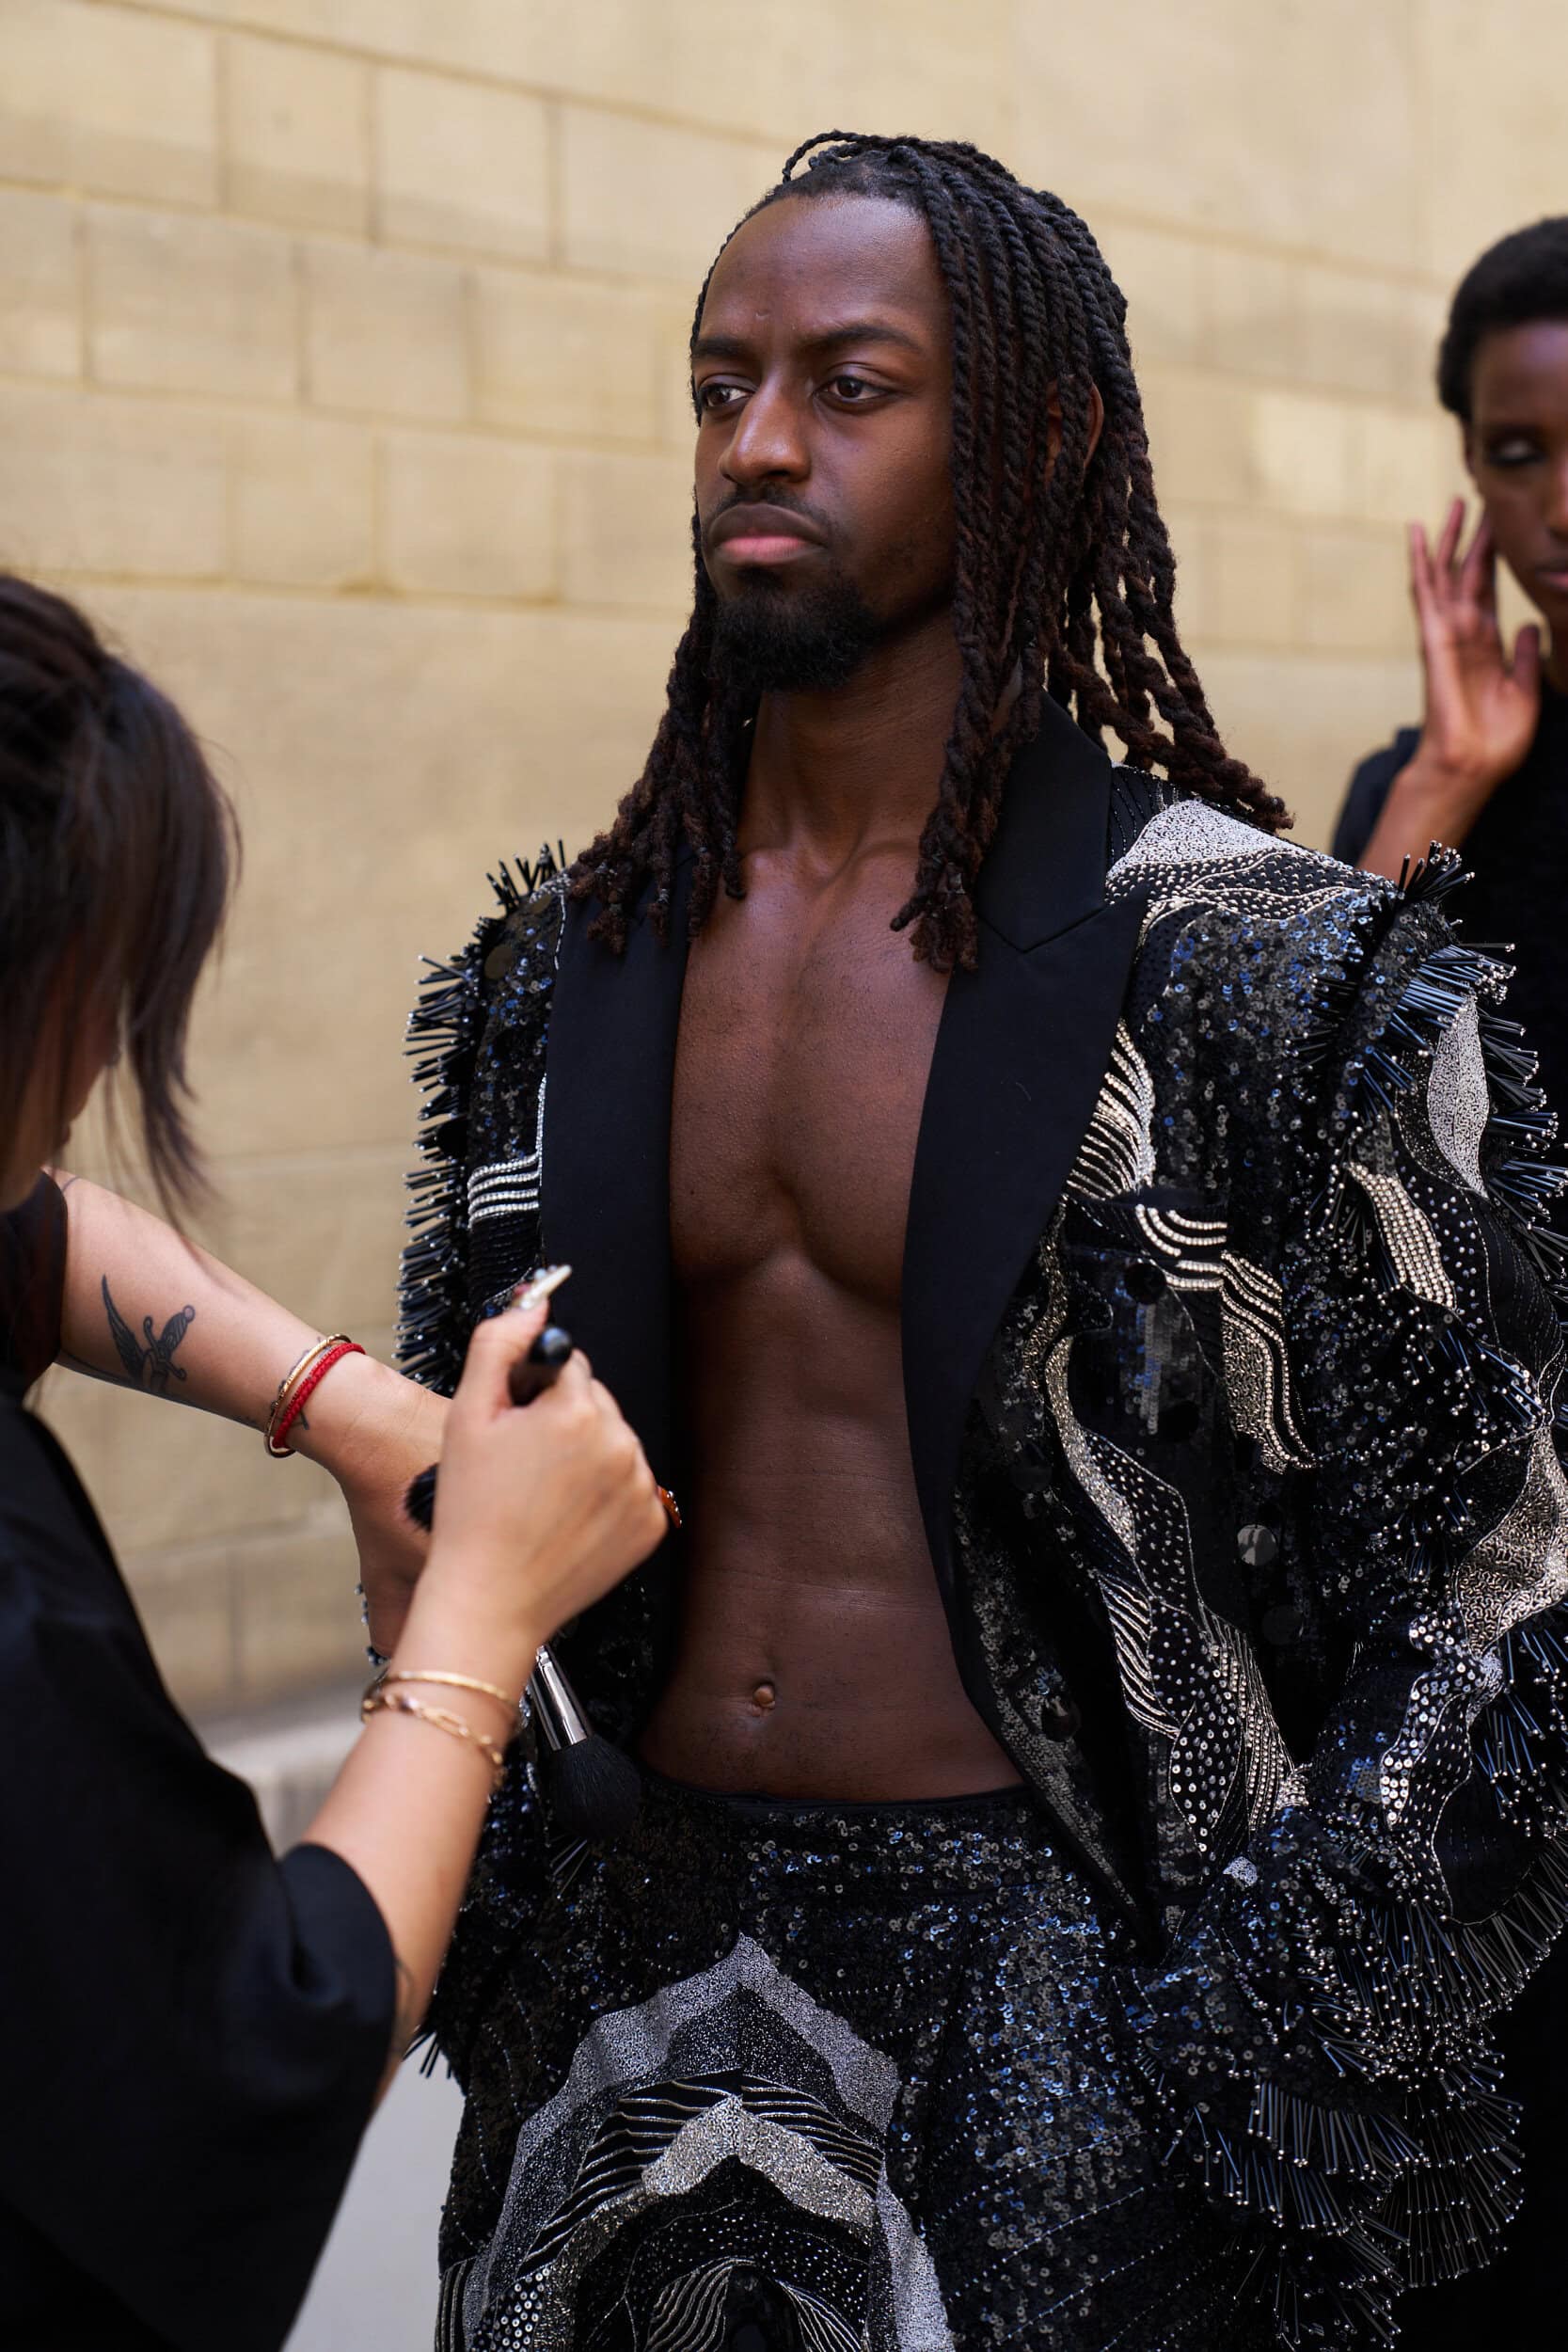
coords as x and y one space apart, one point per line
1517 853
191 2033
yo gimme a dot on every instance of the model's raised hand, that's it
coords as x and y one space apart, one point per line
1482 702
1482 705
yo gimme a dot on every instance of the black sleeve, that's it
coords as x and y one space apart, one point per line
1369 789
32 1281
193 2032
1323 2028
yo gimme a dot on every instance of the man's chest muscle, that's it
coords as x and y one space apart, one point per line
800 1080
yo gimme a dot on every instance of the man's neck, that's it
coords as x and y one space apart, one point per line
832 775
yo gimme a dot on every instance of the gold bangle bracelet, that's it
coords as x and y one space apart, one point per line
290 1382
301 1364
399 1703
452 1682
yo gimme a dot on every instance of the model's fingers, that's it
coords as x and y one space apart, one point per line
1478 576
1448 543
1423 594
1527 661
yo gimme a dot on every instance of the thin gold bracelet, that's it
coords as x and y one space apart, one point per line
398 1703
291 1381
453 1682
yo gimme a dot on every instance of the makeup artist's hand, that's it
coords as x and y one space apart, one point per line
539 1508
374 1431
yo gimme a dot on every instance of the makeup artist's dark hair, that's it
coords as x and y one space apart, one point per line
1064 571
1519 279
116 848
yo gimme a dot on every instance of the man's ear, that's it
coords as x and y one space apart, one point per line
1053 417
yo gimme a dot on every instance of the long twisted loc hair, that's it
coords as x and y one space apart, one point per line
1064 573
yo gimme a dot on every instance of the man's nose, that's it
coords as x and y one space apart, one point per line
767 442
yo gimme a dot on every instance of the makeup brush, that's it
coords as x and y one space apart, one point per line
593 1786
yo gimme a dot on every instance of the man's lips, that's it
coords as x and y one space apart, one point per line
762 534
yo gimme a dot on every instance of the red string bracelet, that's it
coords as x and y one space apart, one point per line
306 1388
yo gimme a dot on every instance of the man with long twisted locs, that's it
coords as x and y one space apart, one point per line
1078 1258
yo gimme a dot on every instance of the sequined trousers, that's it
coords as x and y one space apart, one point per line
794 2077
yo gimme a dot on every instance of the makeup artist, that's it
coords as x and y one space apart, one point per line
195 2033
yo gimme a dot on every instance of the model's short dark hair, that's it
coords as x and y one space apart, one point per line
116 848
1521 278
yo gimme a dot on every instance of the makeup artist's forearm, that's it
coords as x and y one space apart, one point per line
406 1812
150 1311
145 1310
406 1809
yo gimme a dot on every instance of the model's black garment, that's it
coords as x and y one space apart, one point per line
1517 850
191 2033
846 2075
1230 1383
1517 853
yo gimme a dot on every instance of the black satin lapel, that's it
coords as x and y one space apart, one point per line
606 1178
1021 1055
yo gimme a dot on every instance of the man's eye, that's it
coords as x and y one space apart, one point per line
1515 451
851 388
714 398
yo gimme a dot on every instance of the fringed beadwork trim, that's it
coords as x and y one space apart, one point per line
1522 1738
1456 979
444 1033
1417 2189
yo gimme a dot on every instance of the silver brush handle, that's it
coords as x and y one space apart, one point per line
554 1703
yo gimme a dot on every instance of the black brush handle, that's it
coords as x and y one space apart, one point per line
542 1367
529 1377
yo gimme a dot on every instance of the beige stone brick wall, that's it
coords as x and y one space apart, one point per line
341 371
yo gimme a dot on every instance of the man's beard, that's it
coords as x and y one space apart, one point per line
768 640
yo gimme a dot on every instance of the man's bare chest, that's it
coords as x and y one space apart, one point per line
800 1081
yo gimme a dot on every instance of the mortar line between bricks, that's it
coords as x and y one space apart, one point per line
1411 277
228 405
704 127
652 284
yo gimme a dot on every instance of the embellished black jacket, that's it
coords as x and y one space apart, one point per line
1231 1363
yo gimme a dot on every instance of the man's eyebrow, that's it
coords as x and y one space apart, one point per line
830 338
